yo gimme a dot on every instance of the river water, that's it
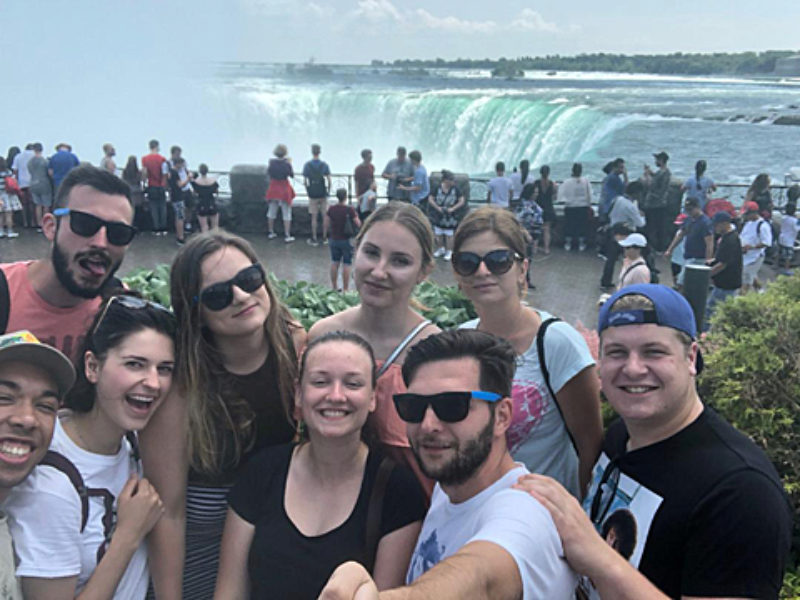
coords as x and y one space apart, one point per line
461 120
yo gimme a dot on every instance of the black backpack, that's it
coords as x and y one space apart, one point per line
316 187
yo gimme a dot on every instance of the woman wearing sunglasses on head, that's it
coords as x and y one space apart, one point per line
299 510
557 427
237 362
394 253
80 520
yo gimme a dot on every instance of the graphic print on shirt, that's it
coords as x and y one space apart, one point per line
426 556
622 515
530 406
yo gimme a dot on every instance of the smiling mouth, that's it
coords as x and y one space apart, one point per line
334 413
638 389
139 402
15 451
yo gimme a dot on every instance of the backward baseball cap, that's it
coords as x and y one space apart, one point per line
670 309
23 346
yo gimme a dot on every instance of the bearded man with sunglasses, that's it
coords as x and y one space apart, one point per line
709 515
90 229
480 538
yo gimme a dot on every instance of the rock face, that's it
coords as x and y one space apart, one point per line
787 120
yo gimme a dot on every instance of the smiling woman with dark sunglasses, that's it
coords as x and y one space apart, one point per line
556 429
236 366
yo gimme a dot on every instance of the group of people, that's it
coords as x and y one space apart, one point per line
270 461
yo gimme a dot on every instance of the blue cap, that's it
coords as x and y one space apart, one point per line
670 309
721 217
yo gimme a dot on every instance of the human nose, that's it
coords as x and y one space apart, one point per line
239 295
634 365
336 391
430 422
24 415
482 269
100 238
152 380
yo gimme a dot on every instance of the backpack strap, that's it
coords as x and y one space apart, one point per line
375 511
546 374
402 345
62 463
5 302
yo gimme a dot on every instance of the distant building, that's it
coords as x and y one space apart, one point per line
788 67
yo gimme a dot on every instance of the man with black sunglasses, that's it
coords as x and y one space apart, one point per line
480 538
90 229
704 504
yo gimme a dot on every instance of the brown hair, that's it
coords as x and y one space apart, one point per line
216 414
639 302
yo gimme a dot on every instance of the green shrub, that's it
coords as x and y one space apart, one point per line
752 378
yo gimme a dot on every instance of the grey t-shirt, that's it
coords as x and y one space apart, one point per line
40 181
403 170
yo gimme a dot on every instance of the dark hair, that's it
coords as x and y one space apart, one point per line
365 152
341 194
524 169
608 167
618 161
315 149
793 193
544 171
12 152
203 169
760 183
692 203
634 189
175 150
790 208
179 161
527 191
98 179
623 523
495 356
577 169
340 336
3 165
500 166
699 169
29 146
415 156
131 173
401 150
113 324
153 144
37 146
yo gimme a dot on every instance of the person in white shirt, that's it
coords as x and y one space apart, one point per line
480 538
789 231
756 236
20 168
519 179
500 188
576 194
634 266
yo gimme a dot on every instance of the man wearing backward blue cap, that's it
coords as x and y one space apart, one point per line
681 504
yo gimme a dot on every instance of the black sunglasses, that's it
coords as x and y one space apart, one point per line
220 295
450 407
497 261
605 493
86 225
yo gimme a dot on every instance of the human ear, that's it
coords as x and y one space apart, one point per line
503 412
91 365
49 226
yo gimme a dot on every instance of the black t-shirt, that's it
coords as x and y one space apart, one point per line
729 251
721 522
284 563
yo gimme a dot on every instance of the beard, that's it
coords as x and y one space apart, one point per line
67 279
469 457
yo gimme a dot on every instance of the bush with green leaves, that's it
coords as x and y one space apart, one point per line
309 302
752 378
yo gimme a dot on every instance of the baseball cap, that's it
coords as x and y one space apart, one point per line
680 219
22 346
749 207
721 217
670 309
634 239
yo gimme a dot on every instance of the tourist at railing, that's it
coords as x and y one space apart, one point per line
280 192
206 189
545 192
500 190
576 195
789 231
759 193
317 181
656 202
398 171
699 185
364 174
156 169
342 222
419 187
519 179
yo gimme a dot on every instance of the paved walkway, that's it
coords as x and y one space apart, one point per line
566 282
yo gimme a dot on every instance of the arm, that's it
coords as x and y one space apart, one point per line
679 235
709 239
579 400
165 460
232 578
394 555
459 204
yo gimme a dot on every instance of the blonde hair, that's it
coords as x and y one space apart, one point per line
216 413
639 302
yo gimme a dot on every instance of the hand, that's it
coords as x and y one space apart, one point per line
585 551
746 247
139 508
350 581
668 253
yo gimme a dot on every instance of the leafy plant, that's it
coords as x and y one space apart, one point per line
153 284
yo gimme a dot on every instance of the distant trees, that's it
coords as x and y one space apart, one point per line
678 63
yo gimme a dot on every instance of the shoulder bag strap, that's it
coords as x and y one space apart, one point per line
632 266
546 374
62 463
375 511
5 302
402 345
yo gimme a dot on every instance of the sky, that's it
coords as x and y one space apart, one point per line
141 37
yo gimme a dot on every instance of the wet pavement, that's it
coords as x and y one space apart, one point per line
567 283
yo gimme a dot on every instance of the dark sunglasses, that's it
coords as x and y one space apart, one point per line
605 493
130 303
220 295
86 225
497 261
450 407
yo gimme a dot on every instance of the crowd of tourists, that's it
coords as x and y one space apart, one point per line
218 449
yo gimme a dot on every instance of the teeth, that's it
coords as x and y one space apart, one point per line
637 389
15 449
146 399
330 412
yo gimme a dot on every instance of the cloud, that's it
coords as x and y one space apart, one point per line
378 10
530 20
453 24
320 11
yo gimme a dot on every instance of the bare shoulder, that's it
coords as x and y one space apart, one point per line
344 320
299 336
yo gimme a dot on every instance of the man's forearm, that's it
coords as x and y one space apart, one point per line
617 579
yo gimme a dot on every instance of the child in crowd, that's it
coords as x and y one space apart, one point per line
9 202
342 223
531 216
447 201
788 236
368 201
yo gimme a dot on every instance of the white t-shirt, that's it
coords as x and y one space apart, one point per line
538 437
20 165
9 584
500 187
752 235
789 230
575 192
513 520
45 518
517 185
